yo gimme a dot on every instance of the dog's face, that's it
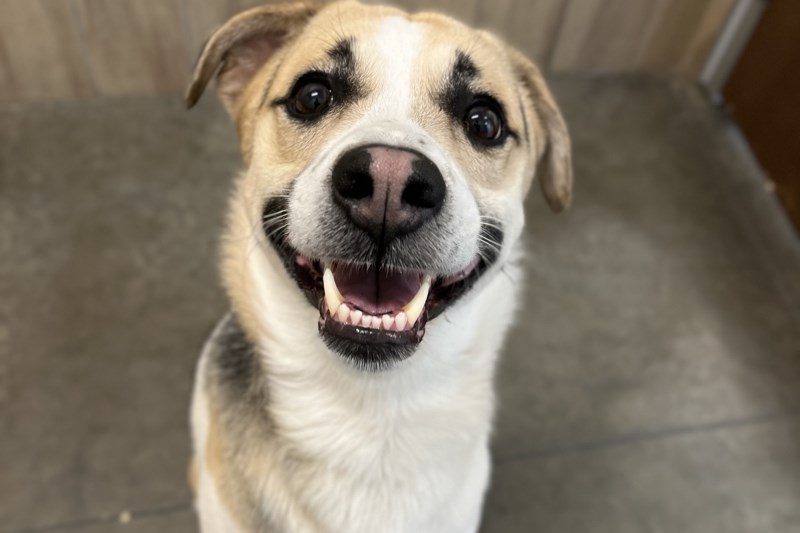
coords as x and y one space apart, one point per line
388 156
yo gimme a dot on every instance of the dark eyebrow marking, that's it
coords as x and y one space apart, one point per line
464 68
342 52
458 92
339 71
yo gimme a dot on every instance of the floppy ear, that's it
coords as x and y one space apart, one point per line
554 169
241 46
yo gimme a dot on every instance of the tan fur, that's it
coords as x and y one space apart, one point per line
220 465
192 475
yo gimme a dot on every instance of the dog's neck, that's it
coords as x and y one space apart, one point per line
315 392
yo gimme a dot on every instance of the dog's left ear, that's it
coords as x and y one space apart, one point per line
554 169
241 46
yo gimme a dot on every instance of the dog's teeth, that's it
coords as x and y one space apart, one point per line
375 322
366 321
413 309
343 313
388 322
333 298
400 321
355 317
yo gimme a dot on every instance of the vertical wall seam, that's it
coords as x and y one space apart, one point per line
83 45
560 22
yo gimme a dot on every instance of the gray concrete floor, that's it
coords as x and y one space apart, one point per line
651 384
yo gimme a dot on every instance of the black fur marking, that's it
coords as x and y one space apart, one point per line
341 77
235 362
460 94
348 87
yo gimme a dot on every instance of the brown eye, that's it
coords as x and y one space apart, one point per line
484 125
311 99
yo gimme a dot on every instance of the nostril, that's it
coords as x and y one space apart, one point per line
425 188
353 185
420 193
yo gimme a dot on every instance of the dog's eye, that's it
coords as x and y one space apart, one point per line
311 99
484 125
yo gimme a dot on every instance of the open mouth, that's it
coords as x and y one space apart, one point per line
371 314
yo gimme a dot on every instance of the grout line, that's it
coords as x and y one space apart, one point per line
103 519
645 436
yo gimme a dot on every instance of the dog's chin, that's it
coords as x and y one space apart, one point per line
371 315
366 348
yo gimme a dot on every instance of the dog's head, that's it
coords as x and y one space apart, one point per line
388 156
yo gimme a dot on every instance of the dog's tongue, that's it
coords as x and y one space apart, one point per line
376 291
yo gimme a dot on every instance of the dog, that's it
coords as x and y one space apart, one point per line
386 160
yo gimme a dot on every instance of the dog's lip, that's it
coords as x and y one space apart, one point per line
443 290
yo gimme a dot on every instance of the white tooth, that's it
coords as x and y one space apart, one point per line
388 321
343 313
366 321
375 322
414 308
332 295
355 316
400 321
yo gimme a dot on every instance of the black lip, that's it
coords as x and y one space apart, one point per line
370 349
367 348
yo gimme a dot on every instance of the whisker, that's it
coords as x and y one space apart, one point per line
277 230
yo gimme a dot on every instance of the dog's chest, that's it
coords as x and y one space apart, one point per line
424 473
397 465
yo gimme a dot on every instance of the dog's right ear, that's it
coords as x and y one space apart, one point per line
241 46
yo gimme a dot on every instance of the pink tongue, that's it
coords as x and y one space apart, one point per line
374 291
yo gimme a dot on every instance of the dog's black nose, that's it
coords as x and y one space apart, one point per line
386 191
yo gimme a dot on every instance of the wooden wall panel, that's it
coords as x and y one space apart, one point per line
77 48
699 48
40 52
529 25
603 34
135 46
683 35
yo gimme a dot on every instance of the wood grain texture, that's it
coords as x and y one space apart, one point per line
602 35
529 25
614 35
705 37
682 34
74 48
40 52
135 46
